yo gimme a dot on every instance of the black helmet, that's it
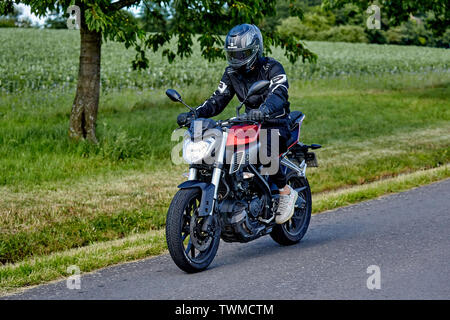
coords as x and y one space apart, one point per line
243 45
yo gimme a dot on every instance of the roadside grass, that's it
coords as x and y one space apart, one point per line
55 195
37 270
54 218
33 271
47 220
134 127
378 111
334 199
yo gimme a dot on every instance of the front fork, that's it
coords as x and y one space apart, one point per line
217 172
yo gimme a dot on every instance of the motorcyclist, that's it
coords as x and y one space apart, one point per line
244 52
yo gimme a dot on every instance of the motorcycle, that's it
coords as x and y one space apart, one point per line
232 199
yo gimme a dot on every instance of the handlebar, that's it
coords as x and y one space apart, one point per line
234 120
244 119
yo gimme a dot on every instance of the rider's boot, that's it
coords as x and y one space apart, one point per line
286 206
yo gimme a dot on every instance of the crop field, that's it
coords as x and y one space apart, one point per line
379 111
40 66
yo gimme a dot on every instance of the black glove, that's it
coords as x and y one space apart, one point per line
256 115
184 118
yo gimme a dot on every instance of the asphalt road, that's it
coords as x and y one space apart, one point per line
407 235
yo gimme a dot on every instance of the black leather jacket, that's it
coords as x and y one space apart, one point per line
274 101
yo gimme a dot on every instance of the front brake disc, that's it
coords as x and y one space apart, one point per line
200 240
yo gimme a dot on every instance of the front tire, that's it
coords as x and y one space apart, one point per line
181 214
292 231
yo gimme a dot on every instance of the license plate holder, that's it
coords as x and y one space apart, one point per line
311 159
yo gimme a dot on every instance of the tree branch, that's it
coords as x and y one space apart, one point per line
6 7
122 4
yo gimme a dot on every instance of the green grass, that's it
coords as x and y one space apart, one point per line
379 112
46 268
335 199
57 195
40 269
48 59
134 127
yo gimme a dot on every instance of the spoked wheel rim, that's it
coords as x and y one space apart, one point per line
294 226
190 217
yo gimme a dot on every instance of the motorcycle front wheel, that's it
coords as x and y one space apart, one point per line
183 228
293 230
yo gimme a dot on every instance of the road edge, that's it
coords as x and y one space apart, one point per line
32 272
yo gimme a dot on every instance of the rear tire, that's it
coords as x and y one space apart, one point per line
179 217
292 231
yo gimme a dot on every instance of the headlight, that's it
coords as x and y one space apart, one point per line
195 151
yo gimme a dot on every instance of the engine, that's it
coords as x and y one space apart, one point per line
240 219
255 207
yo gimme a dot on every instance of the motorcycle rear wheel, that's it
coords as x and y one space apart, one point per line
292 231
181 214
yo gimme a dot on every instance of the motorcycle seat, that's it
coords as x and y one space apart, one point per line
294 116
295 122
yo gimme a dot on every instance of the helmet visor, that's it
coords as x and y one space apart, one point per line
239 57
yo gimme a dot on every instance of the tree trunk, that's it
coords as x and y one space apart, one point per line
85 106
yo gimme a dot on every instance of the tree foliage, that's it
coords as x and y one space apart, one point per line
156 18
346 21
401 11
12 18
57 20
204 19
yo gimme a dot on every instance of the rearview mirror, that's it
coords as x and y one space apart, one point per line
173 95
258 87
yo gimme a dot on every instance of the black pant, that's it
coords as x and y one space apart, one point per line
278 178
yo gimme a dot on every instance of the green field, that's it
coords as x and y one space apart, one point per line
48 59
379 111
